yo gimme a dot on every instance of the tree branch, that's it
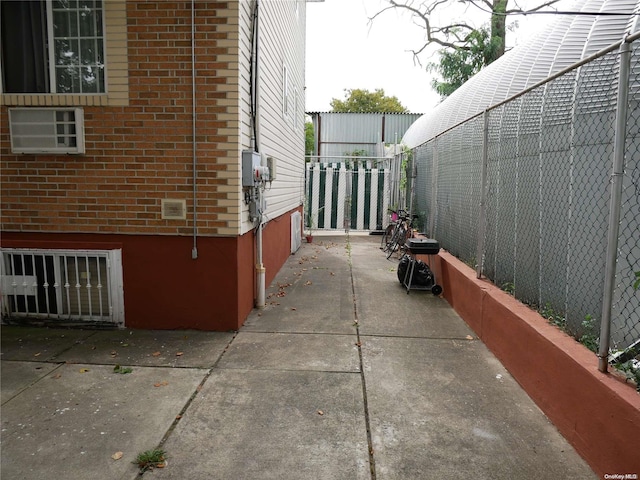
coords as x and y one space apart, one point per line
456 35
531 10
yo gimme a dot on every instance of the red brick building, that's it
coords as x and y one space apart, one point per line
122 197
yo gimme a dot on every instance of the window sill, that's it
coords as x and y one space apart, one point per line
70 100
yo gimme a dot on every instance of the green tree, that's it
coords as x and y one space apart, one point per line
463 48
363 101
457 65
309 143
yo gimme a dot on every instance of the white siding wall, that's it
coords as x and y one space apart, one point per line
280 135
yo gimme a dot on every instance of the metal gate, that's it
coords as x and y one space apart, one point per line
350 193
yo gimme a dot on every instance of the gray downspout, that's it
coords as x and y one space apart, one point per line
617 177
260 268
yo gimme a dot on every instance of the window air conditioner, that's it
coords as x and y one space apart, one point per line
46 130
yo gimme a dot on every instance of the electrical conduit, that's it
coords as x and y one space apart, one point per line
194 250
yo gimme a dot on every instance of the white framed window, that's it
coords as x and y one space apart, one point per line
295 108
46 130
285 91
61 46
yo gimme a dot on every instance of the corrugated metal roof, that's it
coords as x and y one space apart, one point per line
338 133
366 113
563 43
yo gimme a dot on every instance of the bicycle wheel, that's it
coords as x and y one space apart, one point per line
386 236
391 233
398 236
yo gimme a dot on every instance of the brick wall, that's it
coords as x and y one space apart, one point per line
139 147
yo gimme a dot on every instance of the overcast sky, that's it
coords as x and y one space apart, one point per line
346 51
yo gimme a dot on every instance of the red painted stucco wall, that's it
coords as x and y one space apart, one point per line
164 288
597 413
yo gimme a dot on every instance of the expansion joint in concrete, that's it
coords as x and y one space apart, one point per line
188 403
372 461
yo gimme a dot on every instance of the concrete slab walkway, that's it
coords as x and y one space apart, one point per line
342 376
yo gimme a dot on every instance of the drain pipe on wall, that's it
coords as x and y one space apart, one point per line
260 270
194 250
258 190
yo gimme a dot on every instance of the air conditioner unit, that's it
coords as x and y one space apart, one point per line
46 130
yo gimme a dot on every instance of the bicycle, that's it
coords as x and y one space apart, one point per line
399 233
388 232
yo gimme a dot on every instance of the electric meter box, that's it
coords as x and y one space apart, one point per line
250 163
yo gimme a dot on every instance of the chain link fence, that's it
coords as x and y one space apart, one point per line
523 193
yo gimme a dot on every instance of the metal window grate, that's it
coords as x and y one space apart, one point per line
62 285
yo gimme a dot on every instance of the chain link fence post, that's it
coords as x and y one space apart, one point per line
434 189
483 195
615 204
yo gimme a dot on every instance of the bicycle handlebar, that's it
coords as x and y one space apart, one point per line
404 215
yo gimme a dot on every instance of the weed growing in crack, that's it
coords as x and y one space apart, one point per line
151 459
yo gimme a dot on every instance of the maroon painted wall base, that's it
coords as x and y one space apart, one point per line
597 413
164 288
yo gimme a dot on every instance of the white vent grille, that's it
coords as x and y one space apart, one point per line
296 231
47 130
174 209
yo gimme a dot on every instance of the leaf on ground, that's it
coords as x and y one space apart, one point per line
84 370
114 353
320 412
179 354
37 354
164 383
293 308
469 337
117 455
156 354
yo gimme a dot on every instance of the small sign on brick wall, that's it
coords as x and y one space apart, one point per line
174 209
